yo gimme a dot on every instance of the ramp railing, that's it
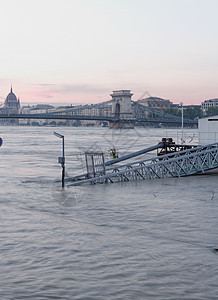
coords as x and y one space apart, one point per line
178 164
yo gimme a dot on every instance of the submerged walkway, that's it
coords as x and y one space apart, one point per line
176 164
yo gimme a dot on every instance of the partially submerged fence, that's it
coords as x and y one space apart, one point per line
186 162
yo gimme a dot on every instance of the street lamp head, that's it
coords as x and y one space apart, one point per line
181 103
58 135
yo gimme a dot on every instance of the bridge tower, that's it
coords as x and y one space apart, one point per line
121 108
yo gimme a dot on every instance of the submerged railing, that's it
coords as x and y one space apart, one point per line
175 164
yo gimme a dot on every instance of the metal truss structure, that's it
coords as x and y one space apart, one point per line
197 160
103 112
143 113
139 113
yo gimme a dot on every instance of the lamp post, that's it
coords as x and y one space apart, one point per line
61 160
181 104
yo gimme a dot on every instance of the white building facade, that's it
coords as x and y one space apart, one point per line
208 130
209 103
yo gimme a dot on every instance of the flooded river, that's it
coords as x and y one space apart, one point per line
152 239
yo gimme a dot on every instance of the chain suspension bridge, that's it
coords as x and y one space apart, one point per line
121 111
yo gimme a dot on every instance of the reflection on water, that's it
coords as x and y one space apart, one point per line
154 239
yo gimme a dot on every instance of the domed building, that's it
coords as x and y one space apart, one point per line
12 103
11 106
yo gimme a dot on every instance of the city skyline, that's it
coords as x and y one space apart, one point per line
80 51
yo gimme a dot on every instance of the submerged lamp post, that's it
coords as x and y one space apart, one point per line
181 104
61 160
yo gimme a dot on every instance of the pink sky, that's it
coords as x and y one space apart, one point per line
66 93
85 49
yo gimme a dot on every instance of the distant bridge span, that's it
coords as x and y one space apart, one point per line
120 110
53 116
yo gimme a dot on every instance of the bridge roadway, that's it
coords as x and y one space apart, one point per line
97 118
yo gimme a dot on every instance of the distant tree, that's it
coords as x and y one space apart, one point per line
35 123
61 123
90 124
192 113
212 111
188 113
53 123
77 123
174 112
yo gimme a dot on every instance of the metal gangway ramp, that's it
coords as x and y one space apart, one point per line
196 160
